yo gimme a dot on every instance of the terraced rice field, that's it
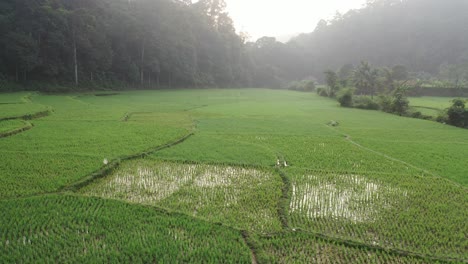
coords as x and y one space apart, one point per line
431 106
226 176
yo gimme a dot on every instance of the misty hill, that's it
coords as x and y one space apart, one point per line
420 34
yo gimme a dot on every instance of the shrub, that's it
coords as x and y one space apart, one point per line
305 86
457 114
345 97
385 103
308 85
400 103
365 102
442 117
322 91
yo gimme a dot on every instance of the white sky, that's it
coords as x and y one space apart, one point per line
282 18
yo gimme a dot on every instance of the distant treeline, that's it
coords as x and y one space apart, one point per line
428 37
177 43
436 91
146 43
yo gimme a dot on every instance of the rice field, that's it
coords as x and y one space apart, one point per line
431 106
10 125
71 229
390 211
227 176
298 247
244 198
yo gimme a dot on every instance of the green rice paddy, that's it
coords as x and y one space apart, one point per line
231 176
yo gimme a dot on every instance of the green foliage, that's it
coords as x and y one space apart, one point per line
332 81
417 114
346 74
149 44
366 79
345 97
400 103
457 115
365 102
322 91
385 102
304 85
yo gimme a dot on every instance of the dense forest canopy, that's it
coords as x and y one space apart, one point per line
145 42
177 43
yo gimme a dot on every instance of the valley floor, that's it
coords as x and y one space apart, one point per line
226 176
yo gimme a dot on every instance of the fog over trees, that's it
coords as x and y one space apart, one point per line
174 43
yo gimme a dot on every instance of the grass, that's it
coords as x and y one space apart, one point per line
391 211
9 125
70 229
431 102
260 163
299 247
431 106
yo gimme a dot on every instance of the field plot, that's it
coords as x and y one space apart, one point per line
436 149
391 211
431 106
242 197
15 98
73 142
19 110
297 247
9 125
68 229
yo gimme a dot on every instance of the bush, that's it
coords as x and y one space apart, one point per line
457 114
333 123
416 114
365 102
385 103
442 118
400 103
345 97
322 91
305 86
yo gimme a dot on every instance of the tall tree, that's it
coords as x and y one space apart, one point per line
332 81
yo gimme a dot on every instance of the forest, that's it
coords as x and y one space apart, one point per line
118 44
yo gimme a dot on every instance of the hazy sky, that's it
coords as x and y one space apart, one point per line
280 18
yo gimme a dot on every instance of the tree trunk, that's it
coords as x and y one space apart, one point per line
75 59
142 76
17 73
170 80
149 80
